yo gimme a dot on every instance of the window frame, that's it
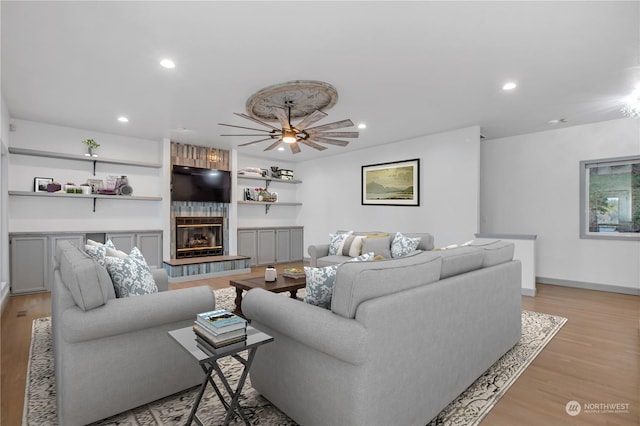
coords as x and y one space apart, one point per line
584 199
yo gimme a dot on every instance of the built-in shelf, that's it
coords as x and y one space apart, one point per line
268 180
85 196
268 204
94 160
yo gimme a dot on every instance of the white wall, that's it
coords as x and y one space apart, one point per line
449 186
36 214
530 185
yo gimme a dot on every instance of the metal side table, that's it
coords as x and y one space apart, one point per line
209 363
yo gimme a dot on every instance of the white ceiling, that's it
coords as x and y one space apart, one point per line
406 69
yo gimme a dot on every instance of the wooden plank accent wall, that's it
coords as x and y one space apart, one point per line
199 156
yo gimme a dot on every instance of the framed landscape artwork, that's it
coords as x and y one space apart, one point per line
391 184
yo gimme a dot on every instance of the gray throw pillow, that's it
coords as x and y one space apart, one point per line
379 246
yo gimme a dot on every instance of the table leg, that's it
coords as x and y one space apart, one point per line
293 294
192 414
238 301
234 406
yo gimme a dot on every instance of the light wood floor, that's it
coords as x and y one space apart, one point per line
594 359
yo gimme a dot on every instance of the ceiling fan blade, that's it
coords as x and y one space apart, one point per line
328 141
338 134
310 119
295 148
254 120
313 145
273 145
247 134
242 127
282 118
334 125
251 143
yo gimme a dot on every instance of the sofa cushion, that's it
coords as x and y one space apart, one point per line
87 281
352 245
495 251
319 288
403 245
131 275
358 282
460 260
380 246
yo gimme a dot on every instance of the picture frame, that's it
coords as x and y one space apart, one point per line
395 183
40 184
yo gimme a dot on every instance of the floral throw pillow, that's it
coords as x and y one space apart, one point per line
403 245
131 275
336 241
97 252
320 281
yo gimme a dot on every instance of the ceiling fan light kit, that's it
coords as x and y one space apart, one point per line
294 99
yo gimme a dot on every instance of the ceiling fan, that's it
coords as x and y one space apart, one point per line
298 134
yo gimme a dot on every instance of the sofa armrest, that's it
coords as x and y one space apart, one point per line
318 328
130 314
317 251
161 278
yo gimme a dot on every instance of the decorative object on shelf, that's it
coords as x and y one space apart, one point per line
260 194
54 187
96 185
92 147
283 174
294 99
391 184
112 181
270 274
274 170
86 189
40 184
122 186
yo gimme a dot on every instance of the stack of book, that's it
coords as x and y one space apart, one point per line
219 328
294 273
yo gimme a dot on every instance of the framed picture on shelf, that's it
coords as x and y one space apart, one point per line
40 184
391 184
96 185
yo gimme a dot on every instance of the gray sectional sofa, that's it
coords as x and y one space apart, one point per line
402 339
380 245
111 354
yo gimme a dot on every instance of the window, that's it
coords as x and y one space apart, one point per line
610 198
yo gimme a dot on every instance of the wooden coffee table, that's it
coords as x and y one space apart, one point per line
282 284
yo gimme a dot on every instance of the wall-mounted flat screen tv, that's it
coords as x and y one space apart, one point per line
196 184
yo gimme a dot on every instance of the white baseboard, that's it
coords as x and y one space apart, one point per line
529 292
589 286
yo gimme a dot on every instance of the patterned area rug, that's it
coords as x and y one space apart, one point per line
468 409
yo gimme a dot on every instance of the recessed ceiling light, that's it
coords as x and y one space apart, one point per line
281 149
123 119
362 126
509 86
167 63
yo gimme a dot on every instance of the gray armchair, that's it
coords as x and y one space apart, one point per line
112 354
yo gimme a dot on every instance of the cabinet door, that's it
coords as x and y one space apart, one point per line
283 245
29 261
248 244
123 242
297 244
266 246
150 244
76 239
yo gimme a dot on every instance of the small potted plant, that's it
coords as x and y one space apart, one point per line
92 146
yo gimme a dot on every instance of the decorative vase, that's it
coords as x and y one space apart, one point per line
270 274
91 152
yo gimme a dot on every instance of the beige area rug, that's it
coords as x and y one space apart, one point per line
468 409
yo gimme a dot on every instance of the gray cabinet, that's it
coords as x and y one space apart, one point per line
271 245
266 246
149 244
29 263
32 255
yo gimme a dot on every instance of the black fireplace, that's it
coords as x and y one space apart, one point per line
199 236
